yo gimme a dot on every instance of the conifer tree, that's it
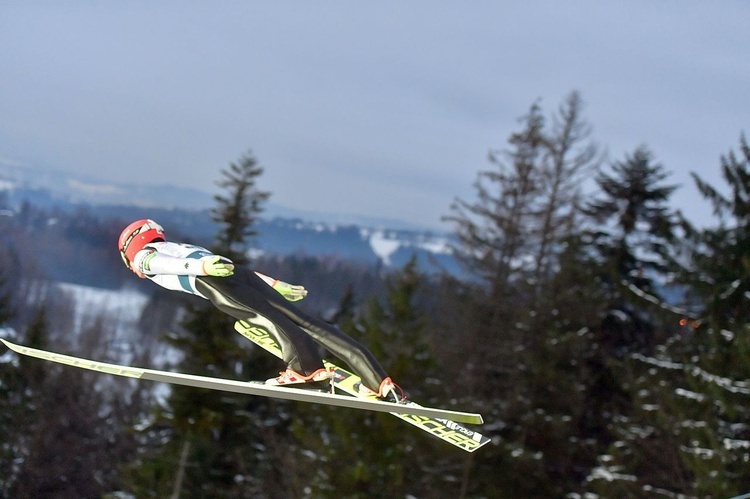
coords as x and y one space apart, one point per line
395 332
492 245
65 438
26 406
721 272
688 431
635 226
10 391
6 311
718 346
215 437
632 232
237 211
634 235
569 157
365 454
519 344
490 230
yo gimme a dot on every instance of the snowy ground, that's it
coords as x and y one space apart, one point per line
124 307
384 243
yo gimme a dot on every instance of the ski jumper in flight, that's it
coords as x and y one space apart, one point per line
251 296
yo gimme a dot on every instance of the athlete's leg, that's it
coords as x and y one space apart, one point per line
356 355
240 297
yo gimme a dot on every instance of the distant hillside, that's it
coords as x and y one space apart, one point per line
61 196
47 187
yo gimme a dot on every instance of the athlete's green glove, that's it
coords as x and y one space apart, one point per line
290 291
214 266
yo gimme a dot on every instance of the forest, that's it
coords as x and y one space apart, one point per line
603 336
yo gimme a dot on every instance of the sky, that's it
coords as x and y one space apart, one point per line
384 109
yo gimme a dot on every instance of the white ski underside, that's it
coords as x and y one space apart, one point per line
249 388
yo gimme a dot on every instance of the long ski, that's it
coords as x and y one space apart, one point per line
251 388
345 381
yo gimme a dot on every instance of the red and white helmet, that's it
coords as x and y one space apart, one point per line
136 235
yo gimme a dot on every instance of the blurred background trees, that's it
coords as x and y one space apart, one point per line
603 337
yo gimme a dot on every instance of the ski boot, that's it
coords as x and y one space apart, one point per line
317 380
388 391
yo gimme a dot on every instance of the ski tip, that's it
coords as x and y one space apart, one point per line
19 349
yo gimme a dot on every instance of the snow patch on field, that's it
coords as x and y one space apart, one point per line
122 307
384 243
383 246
